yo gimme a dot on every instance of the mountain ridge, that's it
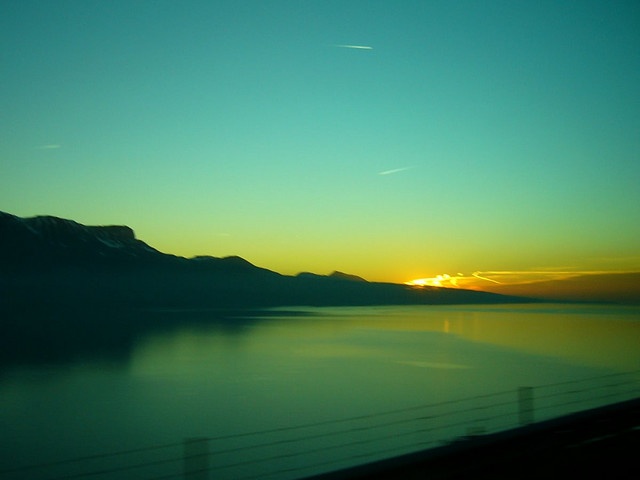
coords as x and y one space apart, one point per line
52 260
611 287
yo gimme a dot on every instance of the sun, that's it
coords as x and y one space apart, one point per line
444 280
418 282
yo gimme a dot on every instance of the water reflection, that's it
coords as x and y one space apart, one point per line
605 336
40 336
582 334
117 380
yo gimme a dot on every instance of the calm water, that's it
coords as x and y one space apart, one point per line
357 377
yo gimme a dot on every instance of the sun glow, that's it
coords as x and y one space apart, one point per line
444 280
532 282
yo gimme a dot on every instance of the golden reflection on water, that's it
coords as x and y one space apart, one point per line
606 337
587 335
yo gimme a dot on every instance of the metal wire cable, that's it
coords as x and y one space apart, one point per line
370 424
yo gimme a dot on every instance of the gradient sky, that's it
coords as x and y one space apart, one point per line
471 135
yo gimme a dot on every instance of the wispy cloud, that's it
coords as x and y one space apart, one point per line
477 275
395 170
356 47
51 146
505 277
510 277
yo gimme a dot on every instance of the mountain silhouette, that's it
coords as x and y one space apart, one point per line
45 241
46 260
612 287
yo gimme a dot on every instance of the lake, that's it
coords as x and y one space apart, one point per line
291 392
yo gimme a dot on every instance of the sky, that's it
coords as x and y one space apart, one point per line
461 137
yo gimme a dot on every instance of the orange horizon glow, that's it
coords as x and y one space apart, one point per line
443 280
529 282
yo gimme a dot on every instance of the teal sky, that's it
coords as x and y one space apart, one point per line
471 135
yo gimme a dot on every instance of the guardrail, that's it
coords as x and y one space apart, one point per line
302 450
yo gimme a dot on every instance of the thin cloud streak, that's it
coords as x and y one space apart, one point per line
52 146
395 170
522 277
477 275
356 47
479 279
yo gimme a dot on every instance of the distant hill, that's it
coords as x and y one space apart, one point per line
47 260
609 287
346 276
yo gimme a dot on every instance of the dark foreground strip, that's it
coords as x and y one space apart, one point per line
598 443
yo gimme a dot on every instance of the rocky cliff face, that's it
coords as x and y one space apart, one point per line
46 240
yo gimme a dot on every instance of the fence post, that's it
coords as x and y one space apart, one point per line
525 405
196 459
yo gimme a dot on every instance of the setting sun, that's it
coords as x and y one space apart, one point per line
444 280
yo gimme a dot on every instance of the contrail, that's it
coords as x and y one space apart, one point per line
477 275
395 170
357 47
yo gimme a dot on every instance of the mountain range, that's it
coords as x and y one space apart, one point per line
47 260
621 288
